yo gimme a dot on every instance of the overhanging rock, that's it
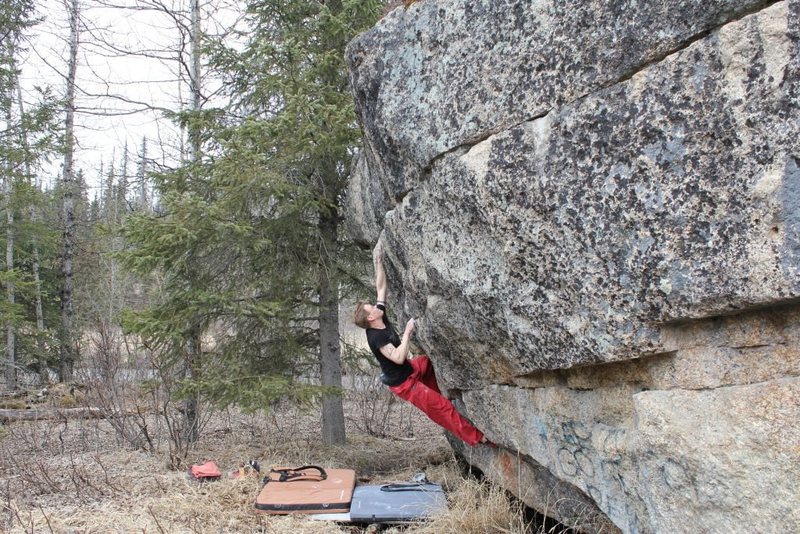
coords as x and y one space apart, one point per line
595 212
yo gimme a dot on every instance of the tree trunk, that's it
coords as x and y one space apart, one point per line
330 360
194 83
8 186
41 351
11 355
193 357
333 431
67 349
191 406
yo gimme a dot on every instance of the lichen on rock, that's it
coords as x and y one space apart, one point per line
594 209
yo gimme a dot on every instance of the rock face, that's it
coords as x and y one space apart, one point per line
594 210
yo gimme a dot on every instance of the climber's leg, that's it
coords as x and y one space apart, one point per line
440 410
422 364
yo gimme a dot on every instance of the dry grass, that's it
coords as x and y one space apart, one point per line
474 507
73 476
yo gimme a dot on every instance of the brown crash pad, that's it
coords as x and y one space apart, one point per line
306 490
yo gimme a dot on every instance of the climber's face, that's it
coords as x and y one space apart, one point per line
373 311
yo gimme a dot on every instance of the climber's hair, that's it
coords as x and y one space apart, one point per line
361 316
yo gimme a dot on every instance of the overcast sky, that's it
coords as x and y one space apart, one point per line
104 124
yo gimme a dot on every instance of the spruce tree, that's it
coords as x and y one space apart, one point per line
299 139
253 252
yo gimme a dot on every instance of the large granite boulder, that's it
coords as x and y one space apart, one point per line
594 210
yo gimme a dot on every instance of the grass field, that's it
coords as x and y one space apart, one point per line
77 475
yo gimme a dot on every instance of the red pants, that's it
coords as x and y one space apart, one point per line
421 390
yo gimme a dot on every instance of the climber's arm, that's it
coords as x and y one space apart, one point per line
399 354
380 273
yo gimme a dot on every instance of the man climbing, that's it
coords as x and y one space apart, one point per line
411 379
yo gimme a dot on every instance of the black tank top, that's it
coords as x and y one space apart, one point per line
393 374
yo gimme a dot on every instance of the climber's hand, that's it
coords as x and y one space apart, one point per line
410 326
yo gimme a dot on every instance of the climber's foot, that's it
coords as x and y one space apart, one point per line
486 441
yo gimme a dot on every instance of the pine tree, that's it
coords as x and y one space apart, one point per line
248 235
297 146
172 241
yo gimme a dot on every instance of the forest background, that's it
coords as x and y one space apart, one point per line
172 177
207 261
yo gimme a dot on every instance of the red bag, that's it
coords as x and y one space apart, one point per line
208 470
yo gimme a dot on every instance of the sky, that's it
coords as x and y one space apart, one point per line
127 68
